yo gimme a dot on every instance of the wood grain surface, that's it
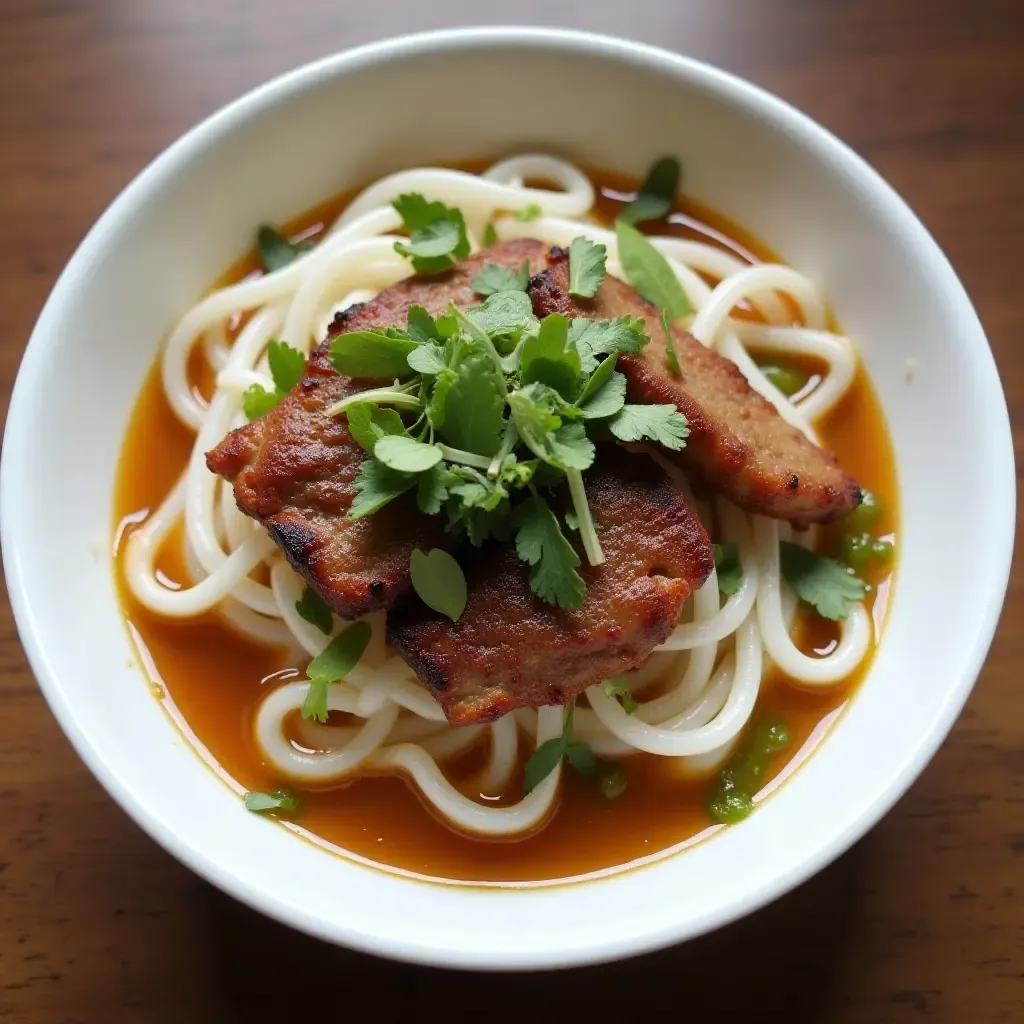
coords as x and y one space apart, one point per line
923 919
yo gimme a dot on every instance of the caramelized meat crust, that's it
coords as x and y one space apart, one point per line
509 649
294 469
738 443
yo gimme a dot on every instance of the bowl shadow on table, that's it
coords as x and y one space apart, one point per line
780 963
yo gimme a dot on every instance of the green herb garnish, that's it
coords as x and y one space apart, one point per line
732 798
657 193
496 407
438 580
788 379
866 515
546 758
497 279
312 608
586 267
617 689
280 800
437 234
822 582
286 366
728 567
650 273
334 662
275 251
530 212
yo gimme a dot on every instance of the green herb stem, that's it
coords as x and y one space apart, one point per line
508 442
464 458
381 396
588 534
479 334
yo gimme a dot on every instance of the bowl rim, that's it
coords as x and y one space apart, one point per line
728 87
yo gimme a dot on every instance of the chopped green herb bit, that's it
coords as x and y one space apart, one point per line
657 193
490 234
860 550
257 401
822 582
728 567
732 799
662 423
439 581
275 251
312 608
671 356
864 518
262 803
528 213
617 689
788 379
586 267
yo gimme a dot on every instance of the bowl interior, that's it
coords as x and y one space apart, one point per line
338 123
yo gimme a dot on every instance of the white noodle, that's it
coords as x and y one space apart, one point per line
700 707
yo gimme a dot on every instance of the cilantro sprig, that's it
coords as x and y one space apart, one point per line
332 664
286 366
491 417
437 234
827 586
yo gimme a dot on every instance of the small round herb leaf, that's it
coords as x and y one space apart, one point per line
280 800
438 580
406 454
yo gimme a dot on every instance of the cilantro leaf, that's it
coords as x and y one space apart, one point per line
257 401
822 582
312 608
437 234
541 544
406 454
597 379
439 581
315 703
342 654
504 313
473 404
494 278
586 267
275 251
368 423
375 486
608 399
286 365
422 328
490 234
546 758
537 411
549 357
617 689
594 338
279 800
728 567
427 359
543 761
649 272
657 193
572 520
662 423
376 353
432 489
530 212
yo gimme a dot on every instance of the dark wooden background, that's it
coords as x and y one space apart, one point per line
924 919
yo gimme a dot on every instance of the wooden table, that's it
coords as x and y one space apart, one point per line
923 919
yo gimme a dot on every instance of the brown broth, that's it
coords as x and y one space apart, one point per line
211 680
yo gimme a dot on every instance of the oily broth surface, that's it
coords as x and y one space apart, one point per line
210 680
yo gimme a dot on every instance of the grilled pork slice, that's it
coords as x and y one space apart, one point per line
294 468
738 443
509 649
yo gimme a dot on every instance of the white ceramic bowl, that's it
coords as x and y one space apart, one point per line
478 92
